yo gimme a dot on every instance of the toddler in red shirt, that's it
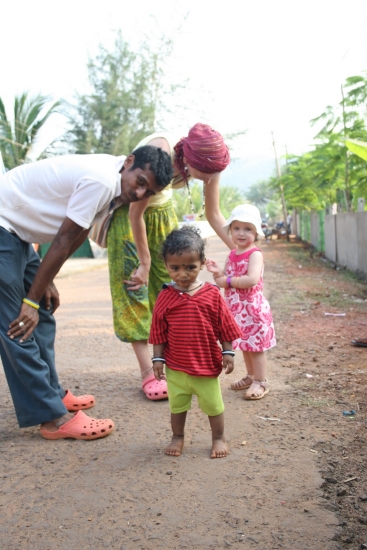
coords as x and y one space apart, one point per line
189 318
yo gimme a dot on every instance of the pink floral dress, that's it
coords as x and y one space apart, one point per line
249 307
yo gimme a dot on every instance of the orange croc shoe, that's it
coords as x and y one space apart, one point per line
74 403
81 426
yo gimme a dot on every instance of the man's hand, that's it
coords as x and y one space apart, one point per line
52 297
24 324
69 237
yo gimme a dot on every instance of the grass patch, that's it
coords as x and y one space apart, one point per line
304 382
314 402
301 255
335 283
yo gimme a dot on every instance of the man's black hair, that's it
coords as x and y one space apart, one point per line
160 163
186 239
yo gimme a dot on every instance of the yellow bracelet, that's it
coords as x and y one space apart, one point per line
31 303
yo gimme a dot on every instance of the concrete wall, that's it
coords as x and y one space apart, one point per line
346 240
330 238
362 240
295 222
345 237
315 230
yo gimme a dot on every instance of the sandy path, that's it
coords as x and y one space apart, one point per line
123 492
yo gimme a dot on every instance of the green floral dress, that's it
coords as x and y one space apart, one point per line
132 310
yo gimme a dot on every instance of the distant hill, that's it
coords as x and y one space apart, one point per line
242 173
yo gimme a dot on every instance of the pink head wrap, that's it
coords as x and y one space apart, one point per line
204 149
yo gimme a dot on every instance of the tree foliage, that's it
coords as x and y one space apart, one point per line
229 198
19 134
264 195
126 100
329 173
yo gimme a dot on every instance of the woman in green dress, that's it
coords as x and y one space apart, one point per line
136 233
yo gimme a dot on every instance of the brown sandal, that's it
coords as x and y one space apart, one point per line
239 386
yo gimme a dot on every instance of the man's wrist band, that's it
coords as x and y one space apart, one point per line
231 353
156 359
31 303
228 280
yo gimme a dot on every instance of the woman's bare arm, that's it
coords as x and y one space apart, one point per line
212 210
136 217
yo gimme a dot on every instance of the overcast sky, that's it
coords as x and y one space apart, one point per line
259 65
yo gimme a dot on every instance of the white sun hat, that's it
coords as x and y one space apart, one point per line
247 213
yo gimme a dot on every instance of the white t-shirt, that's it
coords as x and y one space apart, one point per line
36 198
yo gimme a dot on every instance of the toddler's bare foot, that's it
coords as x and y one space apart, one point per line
176 446
219 448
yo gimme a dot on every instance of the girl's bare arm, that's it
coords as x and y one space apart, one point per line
250 279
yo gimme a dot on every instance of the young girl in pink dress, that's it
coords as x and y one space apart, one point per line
242 280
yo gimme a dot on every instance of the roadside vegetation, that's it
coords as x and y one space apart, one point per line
132 94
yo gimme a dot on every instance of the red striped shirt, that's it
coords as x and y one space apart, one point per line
190 328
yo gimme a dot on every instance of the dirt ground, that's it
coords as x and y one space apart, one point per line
295 477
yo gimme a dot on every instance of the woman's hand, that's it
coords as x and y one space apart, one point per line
138 278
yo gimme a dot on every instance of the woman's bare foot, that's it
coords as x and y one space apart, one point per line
54 425
219 448
176 446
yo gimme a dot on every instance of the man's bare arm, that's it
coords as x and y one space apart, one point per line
67 240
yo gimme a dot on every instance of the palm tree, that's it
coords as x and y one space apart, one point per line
18 136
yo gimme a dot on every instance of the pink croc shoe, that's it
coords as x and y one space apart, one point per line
81 426
74 403
154 389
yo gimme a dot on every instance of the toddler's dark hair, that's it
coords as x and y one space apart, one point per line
186 239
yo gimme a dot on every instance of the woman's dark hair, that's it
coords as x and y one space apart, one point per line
160 163
186 239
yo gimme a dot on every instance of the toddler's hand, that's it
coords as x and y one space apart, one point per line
213 267
158 370
228 364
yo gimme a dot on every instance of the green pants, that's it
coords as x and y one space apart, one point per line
182 386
